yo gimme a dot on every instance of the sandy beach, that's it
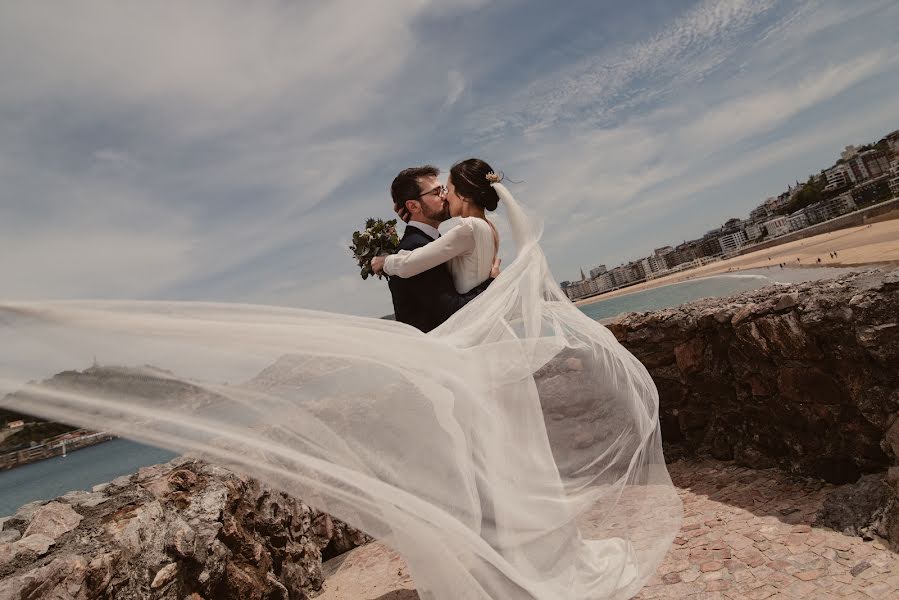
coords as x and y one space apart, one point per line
877 243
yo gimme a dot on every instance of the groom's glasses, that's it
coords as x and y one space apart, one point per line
440 190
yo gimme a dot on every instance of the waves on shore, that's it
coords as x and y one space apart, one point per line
732 276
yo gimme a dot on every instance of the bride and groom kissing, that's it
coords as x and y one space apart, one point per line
512 454
432 275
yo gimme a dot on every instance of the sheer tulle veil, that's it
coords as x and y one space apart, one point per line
513 452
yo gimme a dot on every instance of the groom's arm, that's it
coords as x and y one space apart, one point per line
434 287
450 301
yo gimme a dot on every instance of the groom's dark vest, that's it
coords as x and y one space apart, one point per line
430 298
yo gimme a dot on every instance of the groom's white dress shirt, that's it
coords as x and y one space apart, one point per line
424 228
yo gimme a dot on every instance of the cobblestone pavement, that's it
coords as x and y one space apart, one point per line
747 534
751 534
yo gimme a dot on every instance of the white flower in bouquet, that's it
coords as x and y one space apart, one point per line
379 237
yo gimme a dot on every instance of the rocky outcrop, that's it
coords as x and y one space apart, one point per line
866 509
180 530
803 377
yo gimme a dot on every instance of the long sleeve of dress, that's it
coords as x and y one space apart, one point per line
405 263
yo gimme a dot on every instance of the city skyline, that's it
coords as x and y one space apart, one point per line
862 176
225 151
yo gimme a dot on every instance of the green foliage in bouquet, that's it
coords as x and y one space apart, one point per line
379 237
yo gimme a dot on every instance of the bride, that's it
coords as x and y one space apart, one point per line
513 452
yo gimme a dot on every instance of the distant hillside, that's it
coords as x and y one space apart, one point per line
107 382
8 416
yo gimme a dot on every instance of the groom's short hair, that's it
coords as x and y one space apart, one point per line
405 185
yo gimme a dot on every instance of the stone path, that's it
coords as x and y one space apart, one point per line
747 534
370 572
750 534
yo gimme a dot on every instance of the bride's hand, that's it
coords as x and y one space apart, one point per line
403 213
377 264
494 272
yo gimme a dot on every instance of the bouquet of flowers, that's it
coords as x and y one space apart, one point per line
378 237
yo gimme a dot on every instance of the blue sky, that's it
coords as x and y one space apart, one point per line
226 150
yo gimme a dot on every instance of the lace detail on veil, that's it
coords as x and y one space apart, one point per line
513 452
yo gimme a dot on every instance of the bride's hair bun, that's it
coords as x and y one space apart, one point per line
472 179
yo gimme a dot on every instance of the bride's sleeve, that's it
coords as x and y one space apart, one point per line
457 240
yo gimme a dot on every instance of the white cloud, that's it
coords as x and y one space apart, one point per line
215 62
598 85
214 128
456 87
218 149
596 182
759 112
90 264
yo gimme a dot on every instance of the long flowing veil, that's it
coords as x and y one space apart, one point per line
513 452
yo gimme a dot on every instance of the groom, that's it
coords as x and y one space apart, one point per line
430 298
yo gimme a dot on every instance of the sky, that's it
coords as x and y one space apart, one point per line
226 150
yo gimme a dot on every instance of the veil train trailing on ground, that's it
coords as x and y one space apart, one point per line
513 452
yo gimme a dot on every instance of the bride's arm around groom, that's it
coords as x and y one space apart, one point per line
428 298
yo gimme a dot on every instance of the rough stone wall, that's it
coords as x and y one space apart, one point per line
183 530
804 377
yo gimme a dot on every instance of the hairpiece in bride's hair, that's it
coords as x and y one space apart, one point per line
494 178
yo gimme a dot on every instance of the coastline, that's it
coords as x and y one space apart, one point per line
53 447
862 245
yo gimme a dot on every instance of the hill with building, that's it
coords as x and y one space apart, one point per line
861 178
26 438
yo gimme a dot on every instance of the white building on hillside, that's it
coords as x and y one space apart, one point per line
830 209
579 289
754 231
798 220
657 263
732 242
842 204
894 177
838 177
605 282
759 213
777 227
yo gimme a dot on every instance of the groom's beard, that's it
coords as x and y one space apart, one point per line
438 215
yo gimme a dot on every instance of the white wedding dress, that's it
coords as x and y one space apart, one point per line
468 249
513 453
